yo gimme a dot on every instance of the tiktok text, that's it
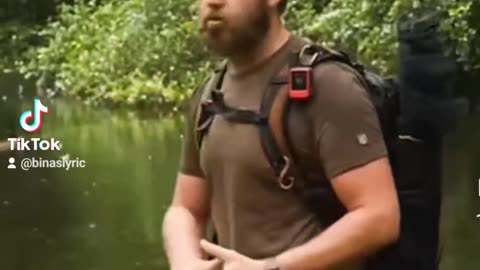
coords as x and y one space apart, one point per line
34 144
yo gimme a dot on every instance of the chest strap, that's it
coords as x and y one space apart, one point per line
216 106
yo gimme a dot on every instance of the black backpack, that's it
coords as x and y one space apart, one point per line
413 117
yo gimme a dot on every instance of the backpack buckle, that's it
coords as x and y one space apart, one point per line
285 181
303 56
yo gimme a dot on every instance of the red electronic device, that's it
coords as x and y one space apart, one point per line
300 83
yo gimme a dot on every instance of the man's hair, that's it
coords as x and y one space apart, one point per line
282 6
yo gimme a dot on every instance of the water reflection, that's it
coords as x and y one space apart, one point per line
461 229
105 216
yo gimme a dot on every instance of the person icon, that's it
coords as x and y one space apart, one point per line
12 163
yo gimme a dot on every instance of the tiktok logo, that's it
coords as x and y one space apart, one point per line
38 109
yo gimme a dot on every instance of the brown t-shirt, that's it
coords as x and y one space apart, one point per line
251 214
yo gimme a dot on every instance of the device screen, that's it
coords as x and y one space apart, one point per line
299 80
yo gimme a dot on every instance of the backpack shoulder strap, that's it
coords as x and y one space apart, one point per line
275 140
272 135
203 118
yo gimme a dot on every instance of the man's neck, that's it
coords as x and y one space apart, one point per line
273 41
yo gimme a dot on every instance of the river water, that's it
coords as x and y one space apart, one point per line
108 215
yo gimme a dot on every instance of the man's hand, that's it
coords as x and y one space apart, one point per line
232 260
215 264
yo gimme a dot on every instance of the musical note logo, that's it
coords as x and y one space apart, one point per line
38 110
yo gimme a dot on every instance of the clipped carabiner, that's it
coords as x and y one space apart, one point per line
286 182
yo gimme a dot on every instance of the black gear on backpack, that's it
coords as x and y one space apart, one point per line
415 112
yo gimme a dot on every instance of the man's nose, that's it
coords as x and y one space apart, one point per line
215 4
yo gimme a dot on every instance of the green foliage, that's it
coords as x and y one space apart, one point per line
147 52
15 40
135 52
19 23
28 11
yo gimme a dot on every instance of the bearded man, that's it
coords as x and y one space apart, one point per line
228 180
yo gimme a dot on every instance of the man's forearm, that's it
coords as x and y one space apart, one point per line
355 236
182 234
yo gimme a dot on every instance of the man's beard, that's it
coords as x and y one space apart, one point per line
229 40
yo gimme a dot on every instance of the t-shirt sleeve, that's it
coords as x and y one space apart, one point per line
346 126
190 157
